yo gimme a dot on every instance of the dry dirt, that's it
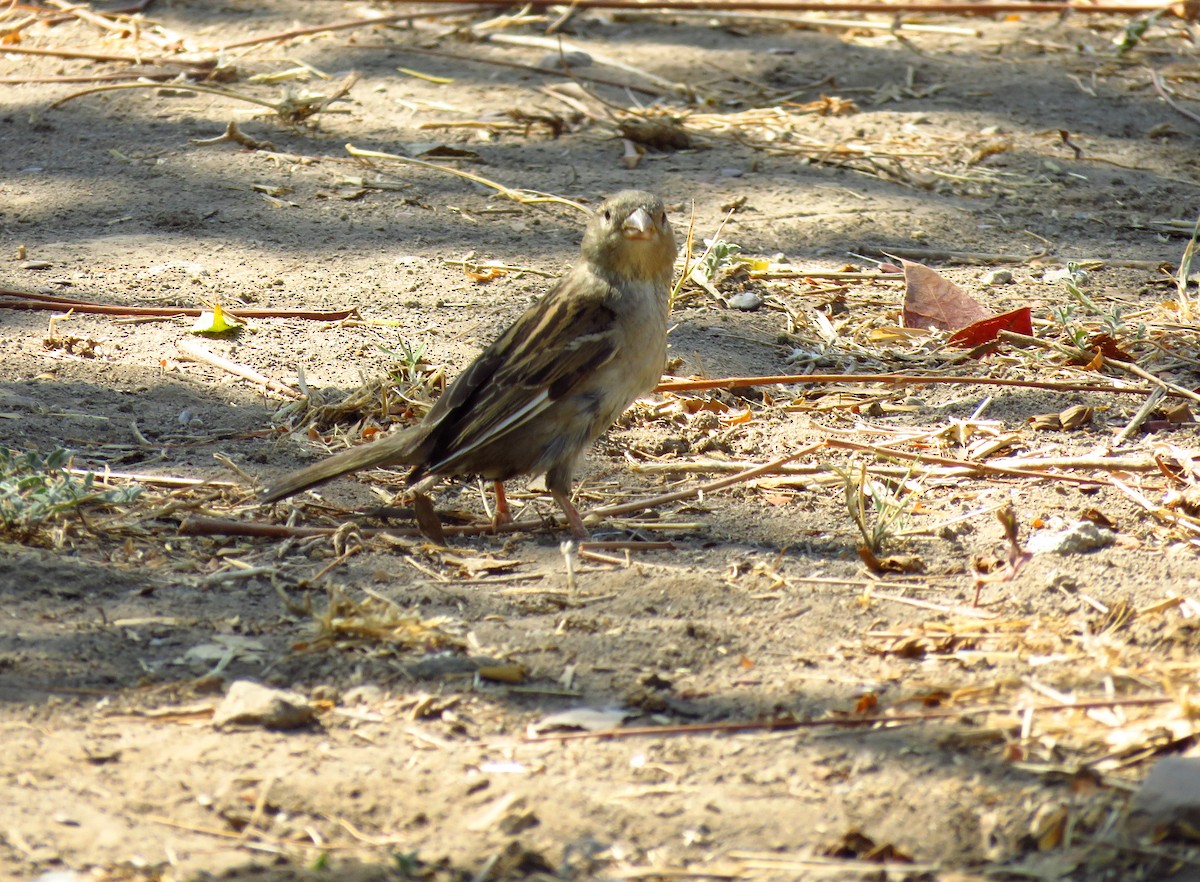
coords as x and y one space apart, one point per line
119 634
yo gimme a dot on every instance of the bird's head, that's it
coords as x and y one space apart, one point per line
630 236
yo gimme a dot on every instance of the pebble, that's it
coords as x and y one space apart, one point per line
559 60
1081 536
745 300
251 704
1169 798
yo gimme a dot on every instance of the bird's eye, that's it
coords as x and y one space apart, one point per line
607 214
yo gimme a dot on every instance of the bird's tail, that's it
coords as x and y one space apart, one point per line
395 449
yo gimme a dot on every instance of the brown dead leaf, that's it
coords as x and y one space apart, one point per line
892 563
1049 824
934 699
1099 518
855 845
694 404
427 518
1177 412
989 148
933 301
1045 422
826 105
444 151
1075 416
866 703
663 133
1109 348
504 673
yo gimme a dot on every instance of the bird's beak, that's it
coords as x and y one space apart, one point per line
638 225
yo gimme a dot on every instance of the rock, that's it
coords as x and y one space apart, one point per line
367 694
1081 536
996 277
745 300
252 704
1168 800
560 60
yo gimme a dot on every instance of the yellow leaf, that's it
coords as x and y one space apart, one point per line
215 323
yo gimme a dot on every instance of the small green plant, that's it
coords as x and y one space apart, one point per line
1065 313
1111 318
879 512
409 360
35 490
1188 308
720 255
1131 35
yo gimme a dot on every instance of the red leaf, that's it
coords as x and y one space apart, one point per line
932 301
1019 321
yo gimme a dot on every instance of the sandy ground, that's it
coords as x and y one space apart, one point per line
433 753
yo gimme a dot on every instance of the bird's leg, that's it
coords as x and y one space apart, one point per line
573 518
502 515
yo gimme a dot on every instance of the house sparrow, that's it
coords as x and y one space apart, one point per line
537 398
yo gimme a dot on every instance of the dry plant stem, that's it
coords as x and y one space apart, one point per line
475 59
1172 389
1168 517
190 87
237 136
522 197
981 8
692 493
785 724
349 24
83 14
1143 413
96 78
926 459
557 45
1169 387
163 480
194 352
983 258
831 275
817 23
198 526
188 61
1165 96
780 865
964 611
895 380
33 300
211 526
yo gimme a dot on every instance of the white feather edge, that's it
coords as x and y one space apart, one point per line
527 412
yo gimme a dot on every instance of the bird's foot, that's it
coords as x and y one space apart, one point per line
502 515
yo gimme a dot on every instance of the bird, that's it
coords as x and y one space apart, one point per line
534 400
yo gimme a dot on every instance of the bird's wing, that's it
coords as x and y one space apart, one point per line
553 347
